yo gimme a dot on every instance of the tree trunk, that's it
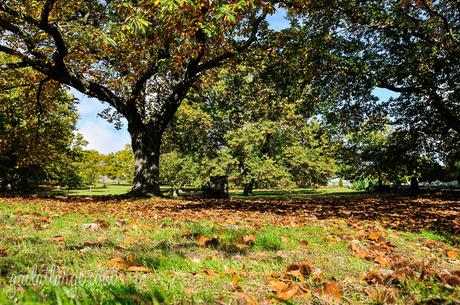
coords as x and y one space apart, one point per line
414 187
248 188
146 144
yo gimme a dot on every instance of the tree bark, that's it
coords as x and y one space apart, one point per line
248 188
414 186
146 144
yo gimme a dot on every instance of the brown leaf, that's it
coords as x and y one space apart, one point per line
201 240
131 259
130 240
278 286
450 279
245 299
13 239
58 239
204 241
287 294
3 252
373 276
102 223
452 254
383 261
139 269
250 239
333 291
210 273
118 262
305 268
374 236
358 251
304 243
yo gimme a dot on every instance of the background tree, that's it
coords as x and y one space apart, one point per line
90 167
409 47
37 125
250 127
119 165
177 171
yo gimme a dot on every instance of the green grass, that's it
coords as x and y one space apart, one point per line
183 271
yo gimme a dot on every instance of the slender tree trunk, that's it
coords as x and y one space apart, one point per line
248 188
146 144
414 187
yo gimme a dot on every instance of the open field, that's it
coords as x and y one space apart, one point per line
350 249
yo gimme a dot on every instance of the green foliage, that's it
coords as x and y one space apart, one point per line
37 124
177 170
119 165
89 167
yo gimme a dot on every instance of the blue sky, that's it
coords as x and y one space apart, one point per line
103 137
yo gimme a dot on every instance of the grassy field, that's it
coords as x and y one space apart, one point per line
319 250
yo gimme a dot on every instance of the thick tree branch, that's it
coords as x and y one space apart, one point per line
37 65
59 71
386 85
43 25
47 7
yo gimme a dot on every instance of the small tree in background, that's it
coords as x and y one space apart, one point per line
177 171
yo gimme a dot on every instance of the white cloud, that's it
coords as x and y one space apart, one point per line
101 135
103 138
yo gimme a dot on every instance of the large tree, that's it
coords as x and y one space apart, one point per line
411 47
37 125
141 57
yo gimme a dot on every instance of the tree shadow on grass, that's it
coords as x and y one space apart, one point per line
439 212
435 212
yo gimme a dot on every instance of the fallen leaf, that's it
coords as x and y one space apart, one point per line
287 294
305 268
58 239
210 273
358 251
102 223
383 261
202 240
452 254
333 291
130 240
249 239
245 299
139 269
278 286
118 262
374 236
131 259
